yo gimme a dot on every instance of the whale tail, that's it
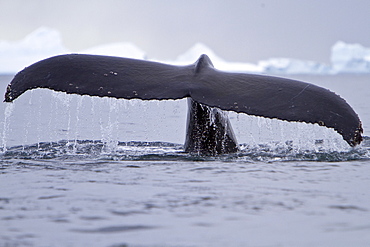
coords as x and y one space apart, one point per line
208 89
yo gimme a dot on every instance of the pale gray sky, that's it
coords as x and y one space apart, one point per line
237 30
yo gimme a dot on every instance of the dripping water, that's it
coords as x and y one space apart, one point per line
110 140
78 109
144 120
121 121
9 107
291 136
40 125
28 125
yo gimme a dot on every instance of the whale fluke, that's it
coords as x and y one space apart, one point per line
206 87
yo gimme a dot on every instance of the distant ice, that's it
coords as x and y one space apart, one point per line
198 49
40 44
350 58
46 42
293 66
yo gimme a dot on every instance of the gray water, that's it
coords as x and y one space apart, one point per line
84 171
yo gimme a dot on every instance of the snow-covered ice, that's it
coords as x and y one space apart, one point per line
350 58
292 66
40 44
46 42
198 49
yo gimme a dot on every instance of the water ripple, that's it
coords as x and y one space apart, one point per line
100 152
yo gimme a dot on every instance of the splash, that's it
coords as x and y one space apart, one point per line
164 151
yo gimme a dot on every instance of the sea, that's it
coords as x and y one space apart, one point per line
87 171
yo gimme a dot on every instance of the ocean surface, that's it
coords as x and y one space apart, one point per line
88 171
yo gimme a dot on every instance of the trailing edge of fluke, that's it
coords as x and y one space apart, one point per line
257 95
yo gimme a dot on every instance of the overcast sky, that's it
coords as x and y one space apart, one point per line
237 30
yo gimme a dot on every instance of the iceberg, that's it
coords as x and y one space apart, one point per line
292 66
350 58
345 58
46 42
198 49
40 44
